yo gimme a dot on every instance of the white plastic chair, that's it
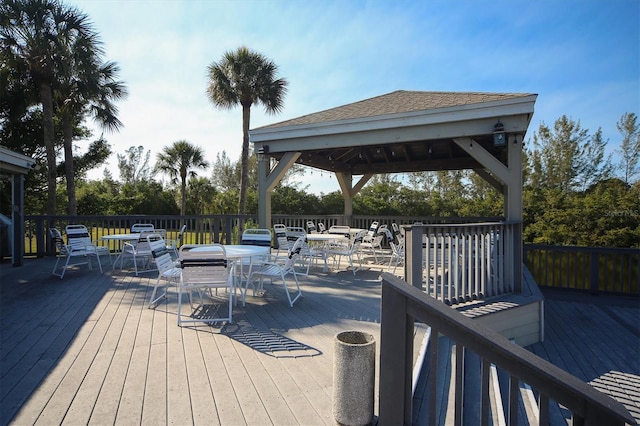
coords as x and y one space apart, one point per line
206 268
141 250
349 252
321 228
375 243
311 227
397 250
370 235
167 273
79 246
174 245
140 227
274 270
280 234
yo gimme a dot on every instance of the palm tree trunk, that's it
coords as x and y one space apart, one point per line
67 130
47 125
244 159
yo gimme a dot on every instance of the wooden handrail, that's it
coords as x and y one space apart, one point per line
402 304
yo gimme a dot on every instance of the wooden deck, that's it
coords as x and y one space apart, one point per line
86 349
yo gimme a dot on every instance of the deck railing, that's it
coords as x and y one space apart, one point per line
201 228
456 263
402 304
593 269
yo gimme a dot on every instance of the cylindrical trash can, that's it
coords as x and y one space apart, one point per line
354 378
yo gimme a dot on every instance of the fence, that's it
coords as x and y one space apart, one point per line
402 304
456 263
593 269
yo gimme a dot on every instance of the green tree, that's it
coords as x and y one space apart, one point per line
200 195
86 86
179 162
245 77
629 149
33 33
134 166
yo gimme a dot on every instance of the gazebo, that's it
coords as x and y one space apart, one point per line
403 131
14 166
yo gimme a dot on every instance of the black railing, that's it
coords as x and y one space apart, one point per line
592 269
201 228
402 304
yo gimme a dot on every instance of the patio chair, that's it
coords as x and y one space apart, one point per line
375 243
174 245
308 253
349 252
341 230
321 228
280 234
140 227
274 270
373 229
141 250
311 227
206 268
167 272
397 250
80 246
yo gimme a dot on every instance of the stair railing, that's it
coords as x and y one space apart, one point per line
402 304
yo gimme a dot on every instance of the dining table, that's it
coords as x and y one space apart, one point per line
120 238
323 241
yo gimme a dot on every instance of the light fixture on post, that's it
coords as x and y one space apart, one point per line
264 149
499 135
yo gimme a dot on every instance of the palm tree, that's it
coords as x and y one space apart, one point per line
245 77
87 87
34 31
178 161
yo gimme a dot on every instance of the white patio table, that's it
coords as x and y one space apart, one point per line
120 238
325 239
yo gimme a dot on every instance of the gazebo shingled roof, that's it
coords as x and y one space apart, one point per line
398 102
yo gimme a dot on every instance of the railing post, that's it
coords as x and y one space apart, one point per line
413 255
594 272
41 246
396 354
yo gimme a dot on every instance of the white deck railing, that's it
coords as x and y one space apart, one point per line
457 263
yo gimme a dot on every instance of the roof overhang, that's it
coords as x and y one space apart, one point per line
407 141
13 163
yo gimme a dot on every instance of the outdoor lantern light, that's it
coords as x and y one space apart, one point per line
499 135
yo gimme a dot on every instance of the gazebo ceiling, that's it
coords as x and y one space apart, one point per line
402 131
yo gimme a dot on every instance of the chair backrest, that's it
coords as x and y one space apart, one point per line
56 237
373 228
256 237
294 252
311 227
164 262
295 232
396 231
139 227
279 230
357 240
156 244
205 265
321 228
78 237
342 230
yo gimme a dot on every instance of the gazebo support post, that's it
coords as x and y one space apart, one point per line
267 180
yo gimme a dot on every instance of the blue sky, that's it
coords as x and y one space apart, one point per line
582 58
